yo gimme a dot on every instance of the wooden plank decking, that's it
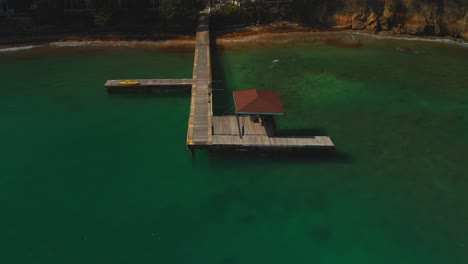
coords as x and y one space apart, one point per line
272 142
201 111
242 131
233 126
115 86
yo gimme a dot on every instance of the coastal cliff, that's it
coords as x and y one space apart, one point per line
417 17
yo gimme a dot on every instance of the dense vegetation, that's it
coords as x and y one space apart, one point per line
162 15
256 12
426 17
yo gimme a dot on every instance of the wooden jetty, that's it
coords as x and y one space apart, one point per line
208 131
245 132
201 109
146 85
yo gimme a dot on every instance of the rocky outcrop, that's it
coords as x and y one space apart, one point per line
418 17
464 36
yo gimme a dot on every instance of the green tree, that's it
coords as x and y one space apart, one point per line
304 10
48 11
182 13
228 15
396 6
259 8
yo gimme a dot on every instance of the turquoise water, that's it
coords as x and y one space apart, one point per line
91 178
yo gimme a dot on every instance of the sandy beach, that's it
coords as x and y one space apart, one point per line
278 33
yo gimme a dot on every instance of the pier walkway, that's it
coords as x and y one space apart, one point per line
243 131
204 129
201 108
117 86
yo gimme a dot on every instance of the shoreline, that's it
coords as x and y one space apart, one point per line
17 41
241 36
275 29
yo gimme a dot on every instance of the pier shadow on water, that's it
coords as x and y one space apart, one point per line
222 94
305 132
301 156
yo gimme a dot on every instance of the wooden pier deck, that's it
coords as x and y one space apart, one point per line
250 141
115 86
201 109
244 132
235 126
204 129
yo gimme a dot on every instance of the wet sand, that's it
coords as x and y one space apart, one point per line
274 34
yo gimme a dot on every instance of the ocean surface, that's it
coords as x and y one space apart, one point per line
90 178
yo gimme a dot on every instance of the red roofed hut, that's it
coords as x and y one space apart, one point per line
257 102
260 105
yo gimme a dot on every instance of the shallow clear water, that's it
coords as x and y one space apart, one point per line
87 177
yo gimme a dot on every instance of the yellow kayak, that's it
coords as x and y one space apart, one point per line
129 82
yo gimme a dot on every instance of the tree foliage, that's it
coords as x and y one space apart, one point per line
257 12
179 13
228 15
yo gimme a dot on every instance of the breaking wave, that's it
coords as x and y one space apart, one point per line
435 40
13 49
99 43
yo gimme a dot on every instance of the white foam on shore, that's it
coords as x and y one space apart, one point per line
69 44
434 40
94 43
121 43
253 38
313 36
324 36
13 49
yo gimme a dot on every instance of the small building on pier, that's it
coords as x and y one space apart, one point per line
262 106
257 102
